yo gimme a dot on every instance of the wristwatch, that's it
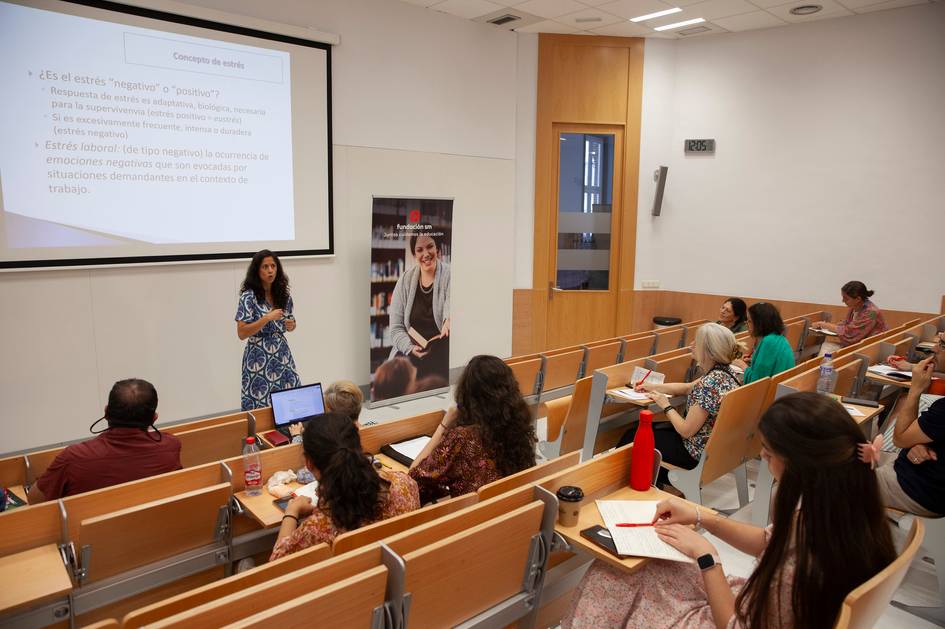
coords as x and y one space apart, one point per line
708 561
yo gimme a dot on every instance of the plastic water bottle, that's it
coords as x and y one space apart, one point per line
642 454
828 377
252 468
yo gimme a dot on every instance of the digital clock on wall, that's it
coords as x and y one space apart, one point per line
706 147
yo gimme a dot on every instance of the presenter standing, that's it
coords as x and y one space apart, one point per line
420 310
263 316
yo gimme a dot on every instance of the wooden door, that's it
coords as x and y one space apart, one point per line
584 238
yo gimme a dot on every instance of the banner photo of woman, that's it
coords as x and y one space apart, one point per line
410 298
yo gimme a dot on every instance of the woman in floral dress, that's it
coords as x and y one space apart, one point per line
263 316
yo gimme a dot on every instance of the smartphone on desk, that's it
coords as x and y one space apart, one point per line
601 536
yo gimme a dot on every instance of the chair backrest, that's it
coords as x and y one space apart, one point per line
526 374
619 375
669 339
864 605
638 347
30 527
373 438
556 411
600 475
602 355
123 540
562 368
446 587
847 376
794 333
530 476
12 471
40 460
286 588
806 379
673 353
212 443
675 369
353 602
224 587
899 346
386 528
575 423
136 493
733 438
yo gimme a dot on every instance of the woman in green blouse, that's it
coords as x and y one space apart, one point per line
772 354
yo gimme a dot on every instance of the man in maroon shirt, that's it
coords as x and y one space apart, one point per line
129 449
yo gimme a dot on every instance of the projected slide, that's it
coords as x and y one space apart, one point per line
127 136
142 136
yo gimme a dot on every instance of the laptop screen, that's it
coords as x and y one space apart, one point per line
291 405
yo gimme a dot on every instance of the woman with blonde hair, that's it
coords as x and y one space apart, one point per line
682 439
342 398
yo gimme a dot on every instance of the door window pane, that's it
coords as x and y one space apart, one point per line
585 196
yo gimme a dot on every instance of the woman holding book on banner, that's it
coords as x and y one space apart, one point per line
420 310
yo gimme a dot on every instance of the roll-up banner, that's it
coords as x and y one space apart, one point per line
411 240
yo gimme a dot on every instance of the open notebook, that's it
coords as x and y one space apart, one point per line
405 452
640 541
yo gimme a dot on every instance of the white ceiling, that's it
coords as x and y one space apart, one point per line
612 17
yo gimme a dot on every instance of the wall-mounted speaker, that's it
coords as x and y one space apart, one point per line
659 176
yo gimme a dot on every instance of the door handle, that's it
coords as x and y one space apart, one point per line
552 289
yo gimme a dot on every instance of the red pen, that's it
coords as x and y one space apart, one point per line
633 524
643 379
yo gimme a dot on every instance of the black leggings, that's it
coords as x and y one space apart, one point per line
670 445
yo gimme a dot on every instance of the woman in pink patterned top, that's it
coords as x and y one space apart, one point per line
351 493
863 319
487 436
805 566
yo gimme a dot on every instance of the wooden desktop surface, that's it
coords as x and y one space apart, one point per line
262 508
884 380
869 412
616 399
590 516
32 576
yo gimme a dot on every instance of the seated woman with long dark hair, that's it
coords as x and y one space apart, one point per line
351 493
486 436
806 567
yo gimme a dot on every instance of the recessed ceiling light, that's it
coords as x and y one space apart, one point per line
806 9
581 20
697 20
650 16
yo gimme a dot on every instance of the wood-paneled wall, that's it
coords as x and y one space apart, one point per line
647 304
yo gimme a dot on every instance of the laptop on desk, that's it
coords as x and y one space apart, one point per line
294 405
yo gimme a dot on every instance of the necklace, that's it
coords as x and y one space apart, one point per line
425 291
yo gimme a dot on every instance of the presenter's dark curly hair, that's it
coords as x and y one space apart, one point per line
488 396
350 491
280 285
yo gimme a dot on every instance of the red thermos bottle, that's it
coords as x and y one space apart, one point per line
641 456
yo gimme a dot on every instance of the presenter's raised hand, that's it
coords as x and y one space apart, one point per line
289 325
445 330
417 351
275 314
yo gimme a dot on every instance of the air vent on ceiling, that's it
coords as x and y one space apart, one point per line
504 19
694 30
806 9
584 20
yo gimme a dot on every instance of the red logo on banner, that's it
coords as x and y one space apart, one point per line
414 216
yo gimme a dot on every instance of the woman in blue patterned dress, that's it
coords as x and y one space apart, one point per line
263 316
